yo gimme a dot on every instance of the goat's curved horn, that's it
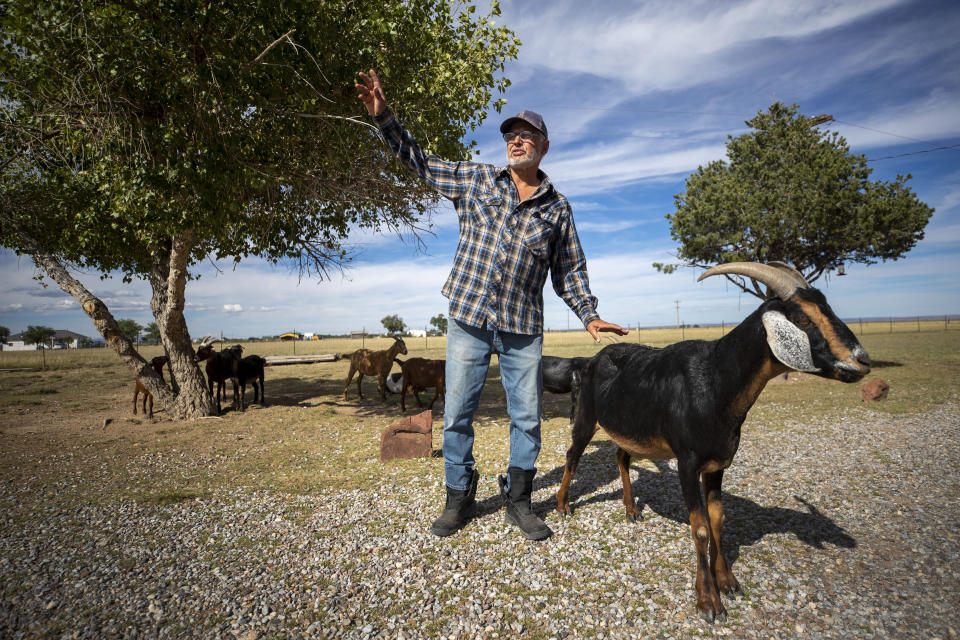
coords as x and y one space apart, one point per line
782 283
203 340
793 273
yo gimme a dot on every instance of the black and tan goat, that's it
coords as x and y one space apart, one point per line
562 375
365 362
221 366
688 401
157 364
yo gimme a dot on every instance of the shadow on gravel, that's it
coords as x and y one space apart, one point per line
746 521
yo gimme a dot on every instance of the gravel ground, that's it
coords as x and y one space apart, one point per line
843 528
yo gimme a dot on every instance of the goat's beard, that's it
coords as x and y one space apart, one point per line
531 159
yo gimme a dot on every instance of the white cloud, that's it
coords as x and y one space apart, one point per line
660 46
232 308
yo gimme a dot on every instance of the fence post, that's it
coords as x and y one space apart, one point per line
918 324
891 325
861 326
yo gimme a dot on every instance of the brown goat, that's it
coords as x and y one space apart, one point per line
157 363
365 362
418 374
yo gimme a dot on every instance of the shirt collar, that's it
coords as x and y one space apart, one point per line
545 185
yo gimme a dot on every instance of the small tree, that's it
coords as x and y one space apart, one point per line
440 323
152 333
4 333
83 342
792 193
130 329
38 335
394 324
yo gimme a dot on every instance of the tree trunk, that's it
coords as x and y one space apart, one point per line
168 279
194 399
103 320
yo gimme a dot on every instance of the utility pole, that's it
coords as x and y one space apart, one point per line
677 302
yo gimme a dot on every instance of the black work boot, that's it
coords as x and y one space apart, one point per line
517 502
457 508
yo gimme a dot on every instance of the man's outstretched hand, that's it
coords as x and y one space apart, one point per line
371 93
598 325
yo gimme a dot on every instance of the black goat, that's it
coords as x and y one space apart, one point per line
251 370
223 365
688 401
562 375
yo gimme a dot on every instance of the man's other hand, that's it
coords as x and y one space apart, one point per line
598 325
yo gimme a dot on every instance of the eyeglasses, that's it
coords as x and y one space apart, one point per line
526 136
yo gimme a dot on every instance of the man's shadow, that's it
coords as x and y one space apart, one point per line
746 522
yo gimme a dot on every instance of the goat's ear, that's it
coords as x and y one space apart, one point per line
790 345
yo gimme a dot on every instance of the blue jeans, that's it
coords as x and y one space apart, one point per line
468 358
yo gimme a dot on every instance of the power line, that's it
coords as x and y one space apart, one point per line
913 153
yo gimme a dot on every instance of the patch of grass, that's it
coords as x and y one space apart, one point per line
171 496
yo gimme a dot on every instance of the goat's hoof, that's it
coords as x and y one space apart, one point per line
635 517
713 615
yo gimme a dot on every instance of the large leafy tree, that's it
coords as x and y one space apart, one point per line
142 137
791 192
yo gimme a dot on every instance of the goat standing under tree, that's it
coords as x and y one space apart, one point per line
157 364
365 362
688 401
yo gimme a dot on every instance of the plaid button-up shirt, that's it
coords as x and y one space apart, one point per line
506 246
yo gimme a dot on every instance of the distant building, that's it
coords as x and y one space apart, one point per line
62 339
358 334
417 333
290 335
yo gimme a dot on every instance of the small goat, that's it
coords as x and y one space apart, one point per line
418 374
157 363
223 365
562 375
251 370
365 362
688 401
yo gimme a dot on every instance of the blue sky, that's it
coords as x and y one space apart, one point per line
636 96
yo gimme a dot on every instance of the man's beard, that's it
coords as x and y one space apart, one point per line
531 159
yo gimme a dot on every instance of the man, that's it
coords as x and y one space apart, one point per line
514 227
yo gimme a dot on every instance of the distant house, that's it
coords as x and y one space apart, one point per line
62 339
417 333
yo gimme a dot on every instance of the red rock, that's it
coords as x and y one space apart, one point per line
410 438
875 390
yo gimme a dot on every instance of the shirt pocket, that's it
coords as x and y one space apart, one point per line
538 235
486 210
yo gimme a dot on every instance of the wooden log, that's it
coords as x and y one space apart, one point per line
276 361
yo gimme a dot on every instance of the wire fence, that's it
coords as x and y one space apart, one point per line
563 343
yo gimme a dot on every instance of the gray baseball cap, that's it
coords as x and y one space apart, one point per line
532 118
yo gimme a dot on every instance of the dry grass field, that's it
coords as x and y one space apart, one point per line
71 442
306 438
